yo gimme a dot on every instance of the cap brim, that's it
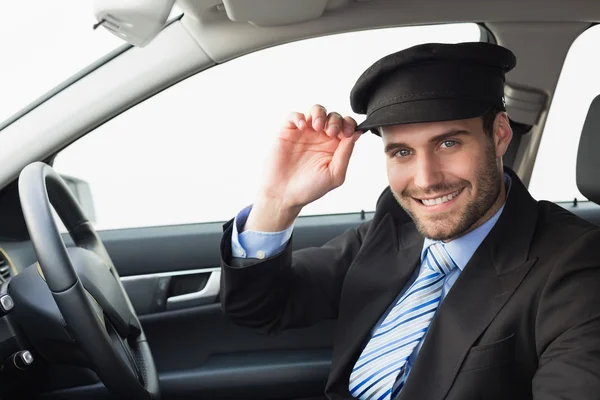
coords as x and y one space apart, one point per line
427 110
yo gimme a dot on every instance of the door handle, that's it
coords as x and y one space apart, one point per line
207 295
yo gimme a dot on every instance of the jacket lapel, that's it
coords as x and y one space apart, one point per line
483 287
380 271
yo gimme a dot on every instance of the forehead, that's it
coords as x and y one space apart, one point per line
427 130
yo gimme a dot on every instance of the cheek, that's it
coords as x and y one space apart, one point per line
398 176
458 168
462 166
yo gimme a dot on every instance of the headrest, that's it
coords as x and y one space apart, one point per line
588 155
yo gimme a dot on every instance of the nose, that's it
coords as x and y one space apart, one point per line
427 172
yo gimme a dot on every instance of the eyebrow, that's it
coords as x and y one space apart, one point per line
454 132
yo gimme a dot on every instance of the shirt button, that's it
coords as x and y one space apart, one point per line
238 252
260 254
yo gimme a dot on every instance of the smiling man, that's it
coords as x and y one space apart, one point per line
462 286
447 175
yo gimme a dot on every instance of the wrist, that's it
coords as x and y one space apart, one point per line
271 215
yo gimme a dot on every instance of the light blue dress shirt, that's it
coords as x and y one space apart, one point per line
252 244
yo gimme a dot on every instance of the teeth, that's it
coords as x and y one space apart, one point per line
440 200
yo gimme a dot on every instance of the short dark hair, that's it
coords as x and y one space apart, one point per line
488 120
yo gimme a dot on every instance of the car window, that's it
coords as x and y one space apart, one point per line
195 152
553 176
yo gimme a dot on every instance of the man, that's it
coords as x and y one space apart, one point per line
462 286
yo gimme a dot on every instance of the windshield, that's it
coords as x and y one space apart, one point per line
44 43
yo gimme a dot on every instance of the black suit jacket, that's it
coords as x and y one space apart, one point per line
522 320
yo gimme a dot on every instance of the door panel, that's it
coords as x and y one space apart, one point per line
172 276
200 352
175 267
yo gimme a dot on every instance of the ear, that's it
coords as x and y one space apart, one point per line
502 133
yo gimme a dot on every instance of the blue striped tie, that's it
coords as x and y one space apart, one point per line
379 373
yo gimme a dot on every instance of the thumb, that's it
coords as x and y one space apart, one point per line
341 158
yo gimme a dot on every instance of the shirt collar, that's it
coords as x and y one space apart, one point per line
462 249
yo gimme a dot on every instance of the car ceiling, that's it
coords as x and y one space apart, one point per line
538 32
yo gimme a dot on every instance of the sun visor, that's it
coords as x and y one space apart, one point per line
278 12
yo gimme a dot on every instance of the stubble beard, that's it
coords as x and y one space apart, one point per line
447 226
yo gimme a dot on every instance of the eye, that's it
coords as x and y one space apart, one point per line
403 153
449 143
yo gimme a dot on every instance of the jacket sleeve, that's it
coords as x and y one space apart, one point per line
568 325
288 290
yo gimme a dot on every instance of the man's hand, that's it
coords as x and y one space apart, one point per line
310 158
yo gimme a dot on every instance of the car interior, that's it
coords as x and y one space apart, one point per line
70 330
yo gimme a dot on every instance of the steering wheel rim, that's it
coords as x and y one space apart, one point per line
127 371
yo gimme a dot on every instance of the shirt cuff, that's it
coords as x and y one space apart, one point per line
254 244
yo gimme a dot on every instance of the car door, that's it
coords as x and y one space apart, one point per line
160 179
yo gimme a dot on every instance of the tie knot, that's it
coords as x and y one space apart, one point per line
439 260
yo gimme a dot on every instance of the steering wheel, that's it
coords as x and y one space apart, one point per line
86 287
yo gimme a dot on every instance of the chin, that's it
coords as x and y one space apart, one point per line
437 234
442 230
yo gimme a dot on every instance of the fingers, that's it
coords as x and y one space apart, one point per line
296 121
336 125
318 117
341 158
332 124
349 127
